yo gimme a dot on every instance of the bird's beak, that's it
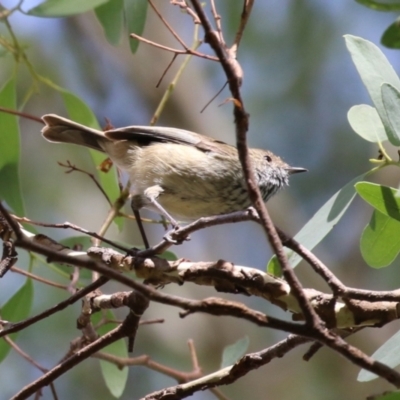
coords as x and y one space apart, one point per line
296 170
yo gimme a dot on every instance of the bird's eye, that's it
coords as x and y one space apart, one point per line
267 158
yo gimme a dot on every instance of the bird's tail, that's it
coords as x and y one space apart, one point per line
62 130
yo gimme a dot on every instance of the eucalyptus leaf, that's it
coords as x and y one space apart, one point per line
374 70
64 8
135 15
10 188
385 199
365 121
234 352
381 5
114 377
16 309
319 225
380 240
386 396
391 36
388 354
391 102
111 18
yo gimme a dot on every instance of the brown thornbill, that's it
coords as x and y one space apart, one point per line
178 173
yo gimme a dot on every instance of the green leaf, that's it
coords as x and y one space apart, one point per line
319 225
168 255
114 377
234 352
391 37
111 18
17 308
391 102
365 121
64 8
374 70
386 396
81 113
381 5
380 240
385 199
10 188
135 15
388 354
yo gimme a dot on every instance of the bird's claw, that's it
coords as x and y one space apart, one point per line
174 232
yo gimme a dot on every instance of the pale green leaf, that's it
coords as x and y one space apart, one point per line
114 377
391 102
388 354
374 70
234 352
365 121
319 225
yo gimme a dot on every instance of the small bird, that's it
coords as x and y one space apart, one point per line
177 173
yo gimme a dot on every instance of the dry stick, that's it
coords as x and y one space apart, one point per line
176 51
39 278
127 328
312 319
68 225
333 282
185 7
247 7
168 26
166 70
146 361
21 114
30 360
250 215
222 307
337 287
233 72
73 168
219 307
230 374
18 326
217 20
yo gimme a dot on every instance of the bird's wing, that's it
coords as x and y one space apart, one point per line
153 134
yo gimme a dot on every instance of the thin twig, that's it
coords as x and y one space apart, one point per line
168 26
68 225
21 114
72 168
172 50
18 326
247 7
39 278
231 68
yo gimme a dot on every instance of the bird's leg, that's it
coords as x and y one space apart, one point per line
140 226
151 195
